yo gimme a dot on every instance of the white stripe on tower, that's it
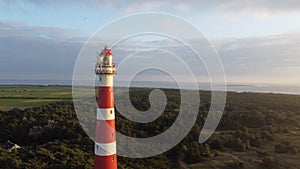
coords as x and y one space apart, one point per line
105 114
105 149
106 80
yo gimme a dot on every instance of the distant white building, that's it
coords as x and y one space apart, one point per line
10 146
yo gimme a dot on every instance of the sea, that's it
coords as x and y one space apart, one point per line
234 87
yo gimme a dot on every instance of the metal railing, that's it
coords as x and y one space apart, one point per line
105 69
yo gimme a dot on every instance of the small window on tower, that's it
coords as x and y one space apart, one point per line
113 158
100 78
112 134
111 112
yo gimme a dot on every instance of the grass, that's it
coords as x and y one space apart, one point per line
35 92
27 96
35 95
25 102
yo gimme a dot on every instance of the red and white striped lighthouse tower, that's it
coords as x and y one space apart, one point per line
105 139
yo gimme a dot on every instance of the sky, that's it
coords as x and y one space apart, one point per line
257 40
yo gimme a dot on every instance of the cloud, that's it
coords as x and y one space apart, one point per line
257 59
256 5
18 29
29 52
189 6
262 57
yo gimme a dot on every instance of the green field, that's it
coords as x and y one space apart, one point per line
26 96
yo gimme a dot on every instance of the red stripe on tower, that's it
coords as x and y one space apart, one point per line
105 139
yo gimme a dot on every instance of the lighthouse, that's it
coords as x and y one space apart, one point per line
105 138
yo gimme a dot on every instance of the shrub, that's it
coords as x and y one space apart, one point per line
281 148
269 162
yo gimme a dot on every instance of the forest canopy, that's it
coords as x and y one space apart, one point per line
50 136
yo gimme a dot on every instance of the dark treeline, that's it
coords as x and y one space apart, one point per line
51 136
